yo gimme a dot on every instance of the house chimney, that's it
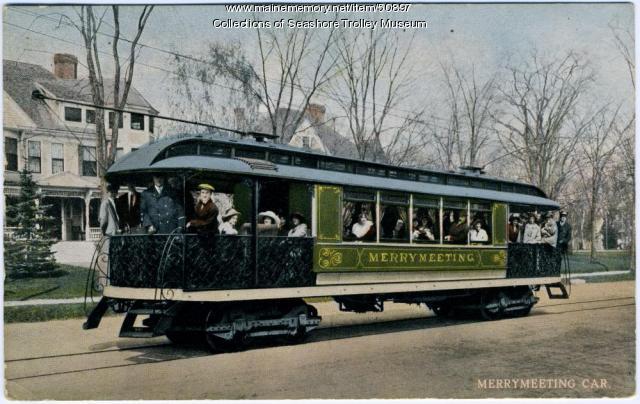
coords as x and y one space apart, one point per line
240 119
65 66
315 112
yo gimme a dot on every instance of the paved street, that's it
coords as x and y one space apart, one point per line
583 347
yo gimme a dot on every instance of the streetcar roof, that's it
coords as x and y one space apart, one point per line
153 157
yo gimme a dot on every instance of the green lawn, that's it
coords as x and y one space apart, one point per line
30 314
615 260
69 285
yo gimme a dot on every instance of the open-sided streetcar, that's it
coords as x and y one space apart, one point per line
375 233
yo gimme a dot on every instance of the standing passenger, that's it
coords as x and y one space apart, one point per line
108 217
564 233
160 210
549 231
128 208
205 219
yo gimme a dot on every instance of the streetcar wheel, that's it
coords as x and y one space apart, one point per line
491 307
218 344
301 332
442 310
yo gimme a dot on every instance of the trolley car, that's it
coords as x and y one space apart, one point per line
230 288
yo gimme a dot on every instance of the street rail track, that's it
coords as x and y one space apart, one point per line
166 352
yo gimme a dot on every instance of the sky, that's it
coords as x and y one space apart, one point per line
485 35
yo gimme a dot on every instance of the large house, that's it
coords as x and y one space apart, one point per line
56 140
317 132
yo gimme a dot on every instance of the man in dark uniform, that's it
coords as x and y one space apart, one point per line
564 233
128 208
160 210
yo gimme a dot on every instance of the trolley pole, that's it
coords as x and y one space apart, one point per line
254 228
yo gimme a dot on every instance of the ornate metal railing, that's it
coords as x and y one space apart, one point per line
532 260
194 262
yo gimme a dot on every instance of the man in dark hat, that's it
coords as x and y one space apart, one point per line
564 233
160 209
299 228
128 208
514 229
205 219
108 216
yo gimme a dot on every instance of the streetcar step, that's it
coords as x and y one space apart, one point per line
563 291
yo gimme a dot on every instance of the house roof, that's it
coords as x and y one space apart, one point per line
337 144
20 80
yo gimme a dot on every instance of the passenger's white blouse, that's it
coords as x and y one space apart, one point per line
360 230
226 228
299 231
478 235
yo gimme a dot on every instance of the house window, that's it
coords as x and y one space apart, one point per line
112 118
305 142
33 149
150 124
57 158
90 116
10 154
88 164
137 121
72 114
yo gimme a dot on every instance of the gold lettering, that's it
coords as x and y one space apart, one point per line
413 257
384 257
470 258
432 257
440 257
423 257
403 257
373 257
394 257
461 257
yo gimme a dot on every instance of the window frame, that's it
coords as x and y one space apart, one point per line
90 112
136 117
83 161
111 116
68 110
14 156
32 158
55 159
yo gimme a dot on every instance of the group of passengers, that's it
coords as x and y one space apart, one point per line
159 210
536 228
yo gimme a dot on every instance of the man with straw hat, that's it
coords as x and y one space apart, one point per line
205 213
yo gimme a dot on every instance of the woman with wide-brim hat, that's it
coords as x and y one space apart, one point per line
205 212
229 220
299 228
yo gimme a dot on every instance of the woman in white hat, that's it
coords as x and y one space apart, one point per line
268 223
229 220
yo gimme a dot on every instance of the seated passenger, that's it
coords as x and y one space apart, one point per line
458 231
229 220
531 233
205 219
399 231
514 229
268 223
299 228
477 234
363 229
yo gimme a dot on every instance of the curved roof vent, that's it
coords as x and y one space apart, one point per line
471 170
256 164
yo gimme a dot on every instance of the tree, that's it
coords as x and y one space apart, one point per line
28 250
470 104
540 118
600 142
373 77
290 66
90 20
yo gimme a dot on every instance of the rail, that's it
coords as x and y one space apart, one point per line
194 262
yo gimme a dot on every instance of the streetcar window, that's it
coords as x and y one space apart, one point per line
371 170
425 227
455 223
280 158
507 187
304 161
336 166
251 154
359 215
394 217
183 149
207 149
491 185
434 179
461 182
480 231
284 209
